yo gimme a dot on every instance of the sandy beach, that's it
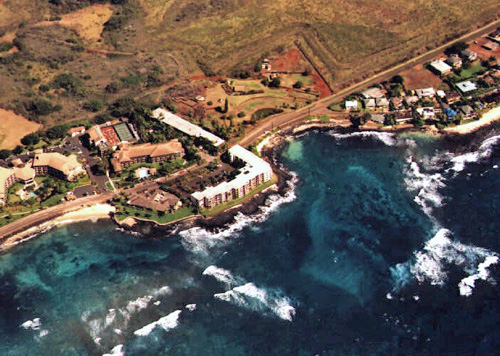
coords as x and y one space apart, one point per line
486 119
92 213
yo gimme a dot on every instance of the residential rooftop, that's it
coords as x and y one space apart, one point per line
185 126
466 86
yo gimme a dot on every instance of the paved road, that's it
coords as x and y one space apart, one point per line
50 213
319 107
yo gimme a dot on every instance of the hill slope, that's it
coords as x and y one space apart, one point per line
123 48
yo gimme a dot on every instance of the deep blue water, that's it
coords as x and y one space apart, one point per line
366 260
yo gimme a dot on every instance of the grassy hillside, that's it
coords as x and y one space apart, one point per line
72 60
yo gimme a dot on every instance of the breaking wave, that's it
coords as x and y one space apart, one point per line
484 151
431 263
222 275
117 319
426 186
167 323
249 296
387 138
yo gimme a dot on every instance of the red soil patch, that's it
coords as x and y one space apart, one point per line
320 86
289 61
418 77
483 53
110 135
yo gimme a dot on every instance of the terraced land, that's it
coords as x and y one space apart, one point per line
140 48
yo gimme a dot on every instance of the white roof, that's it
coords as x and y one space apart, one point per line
254 167
466 86
440 66
351 104
441 93
373 92
185 126
425 92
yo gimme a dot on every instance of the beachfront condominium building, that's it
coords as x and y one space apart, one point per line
58 165
255 172
8 176
160 152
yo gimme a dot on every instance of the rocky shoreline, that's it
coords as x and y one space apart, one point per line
269 150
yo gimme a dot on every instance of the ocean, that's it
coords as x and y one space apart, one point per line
383 244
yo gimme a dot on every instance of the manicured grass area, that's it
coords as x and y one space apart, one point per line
4 220
336 107
53 200
226 205
125 211
249 84
109 186
321 118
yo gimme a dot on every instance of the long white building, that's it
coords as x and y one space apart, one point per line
255 172
185 126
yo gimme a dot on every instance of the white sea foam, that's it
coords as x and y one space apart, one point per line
484 151
387 138
139 304
116 351
167 323
117 319
430 264
191 307
425 185
222 275
34 324
201 241
251 297
467 284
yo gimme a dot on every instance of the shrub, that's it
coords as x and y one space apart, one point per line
69 82
5 153
93 105
44 88
298 85
30 139
40 106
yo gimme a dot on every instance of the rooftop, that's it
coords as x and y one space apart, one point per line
466 86
128 153
440 66
254 167
373 92
185 126
65 164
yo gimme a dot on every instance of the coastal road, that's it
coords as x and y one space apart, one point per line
319 107
50 213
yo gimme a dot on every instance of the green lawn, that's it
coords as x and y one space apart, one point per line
227 205
142 214
470 72
321 118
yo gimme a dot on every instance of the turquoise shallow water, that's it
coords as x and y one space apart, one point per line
366 256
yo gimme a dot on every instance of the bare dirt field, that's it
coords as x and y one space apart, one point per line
87 22
482 52
418 77
14 127
289 61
